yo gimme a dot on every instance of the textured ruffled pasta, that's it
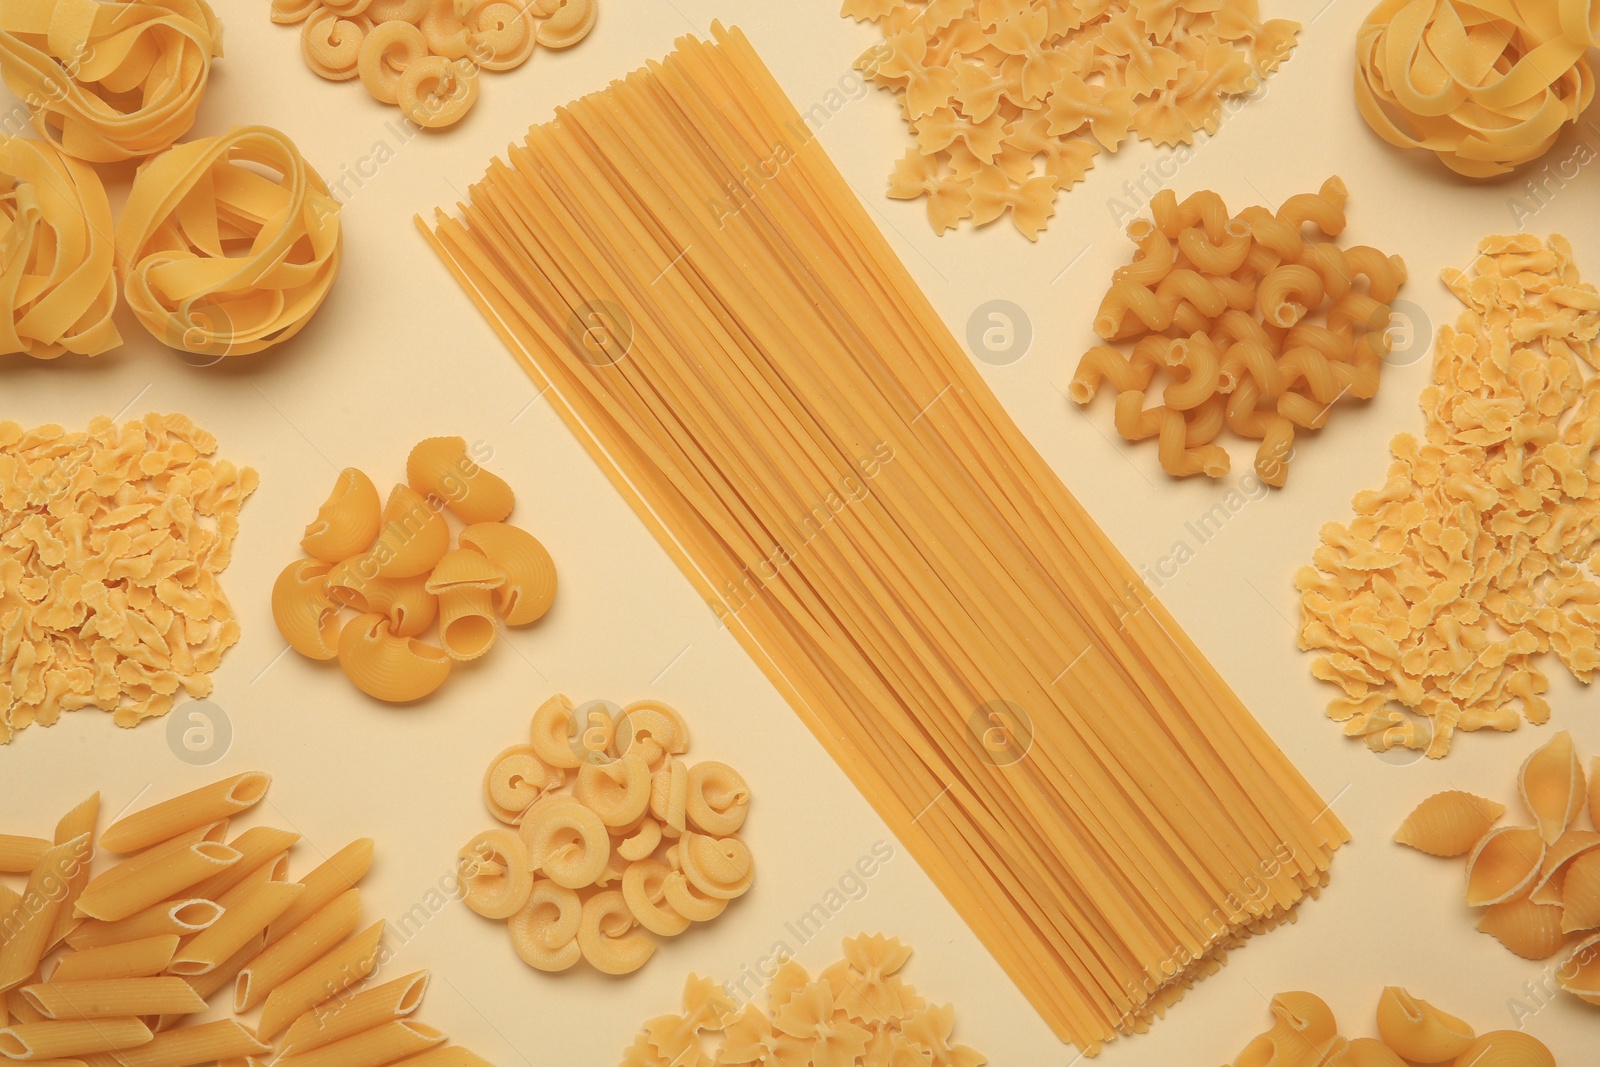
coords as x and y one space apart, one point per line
1531 930
1418 1031
1504 865
1484 86
217 259
1552 786
1449 823
111 81
56 280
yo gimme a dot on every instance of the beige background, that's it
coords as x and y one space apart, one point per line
398 354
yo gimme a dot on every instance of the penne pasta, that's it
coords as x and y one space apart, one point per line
340 872
114 998
189 1045
29 923
181 917
141 958
382 1044
321 981
445 1056
197 808
367 1009
80 1037
153 875
246 911
303 946
18 855
213 980
80 820
258 847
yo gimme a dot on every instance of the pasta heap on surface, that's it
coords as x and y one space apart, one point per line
392 563
1486 85
112 541
859 1010
1479 552
643 844
1539 885
1229 307
110 968
832 474
424 56
1009 101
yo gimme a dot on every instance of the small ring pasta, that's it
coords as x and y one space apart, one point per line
515 781
669 797
608 938
544 934
687 901
642 842
386 51
305 614
347 522
568 24
717 799
718 867
567 842
386 666
500 34
551 731
644 890
435 92
331 43
618 792
496 877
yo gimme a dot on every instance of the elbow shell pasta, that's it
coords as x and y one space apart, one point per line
347 523
1418 1031
306 615
464 581
413 536
1504 865
405 602
530 574
1552 786
389 667
440 467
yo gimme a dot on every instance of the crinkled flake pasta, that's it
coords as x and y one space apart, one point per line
1225 306
1428 608
112 541
1486 85
219 260
109 81
1009 101
57 281
641 846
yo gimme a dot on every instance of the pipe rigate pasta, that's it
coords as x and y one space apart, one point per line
530 574
1449 823
687 900
464 581
641 841
347 523
440 467
501 35
496 873
516 779
331 43
1417 1030
1552 786
386 666
1504 865
1507 1048
1529 929
414 536
544 934
405 602
609 937
306 615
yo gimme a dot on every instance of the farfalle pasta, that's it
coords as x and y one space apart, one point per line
1009 101
110 81
188 205
617 853
1225 305
58 285
1428 608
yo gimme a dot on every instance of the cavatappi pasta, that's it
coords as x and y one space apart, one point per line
112 541
392 565
81 990
1229 307
633 845
1428 608
425 56
962 580
1009 101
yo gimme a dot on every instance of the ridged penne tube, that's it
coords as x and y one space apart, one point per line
688 901
114 998
412 538
1507 1048
1580 894
1532 931
1449 823
1504 865
530 573
321 981
516 778
618 792
187 1046
29 925
1552 785
652 729
82 819
496 875
544 934
155 874
50 1040
567 843
1419 1031
247 909
258 847
143 958
347 523
388 667
608 937
182 917
306 943
465 581
718 867
440 467
221 977
551 731
19 854
194 809
445 1056
383 1044
406 602
718 798
331 878
644 890
360 1013
305 614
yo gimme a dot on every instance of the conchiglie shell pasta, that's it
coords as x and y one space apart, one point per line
306 615
1552 785
388 667
440 467
496 876
609 937
405 602
1507 1048
567 842
348 520
464 582
413 536
515 780
1560 856
530 573
545 932
1504 865
1449 823
1580 894
1579 973
1417 1030
551 732
1532 931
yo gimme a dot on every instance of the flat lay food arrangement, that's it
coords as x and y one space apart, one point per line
636 561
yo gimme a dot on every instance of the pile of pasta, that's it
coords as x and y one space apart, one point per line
1539 884
392 564
1011 100
859 1010
1480 551
424 56
1229 307
1304 1033
1486 86
112 541
640 846
112 968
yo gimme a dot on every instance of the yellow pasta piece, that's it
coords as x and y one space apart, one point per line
1508 1048
191 811
1552 786
1503 865
247 910
405 602
440 467
113 998
465 581
347 523
389 667
306 615
19 855
608 938
718 798
618 792
544 933
172 917
1419 1031
1580 894
1449 823
334 877
496 873
154 875
305 943
186 1046
718 867
1531 930
530 574
321 981
566 842
144 957
56 1040
380 1004
30 924
332 44
1552 872
413 538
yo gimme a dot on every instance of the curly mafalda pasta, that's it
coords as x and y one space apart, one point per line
632 845
1479 553
1229 307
